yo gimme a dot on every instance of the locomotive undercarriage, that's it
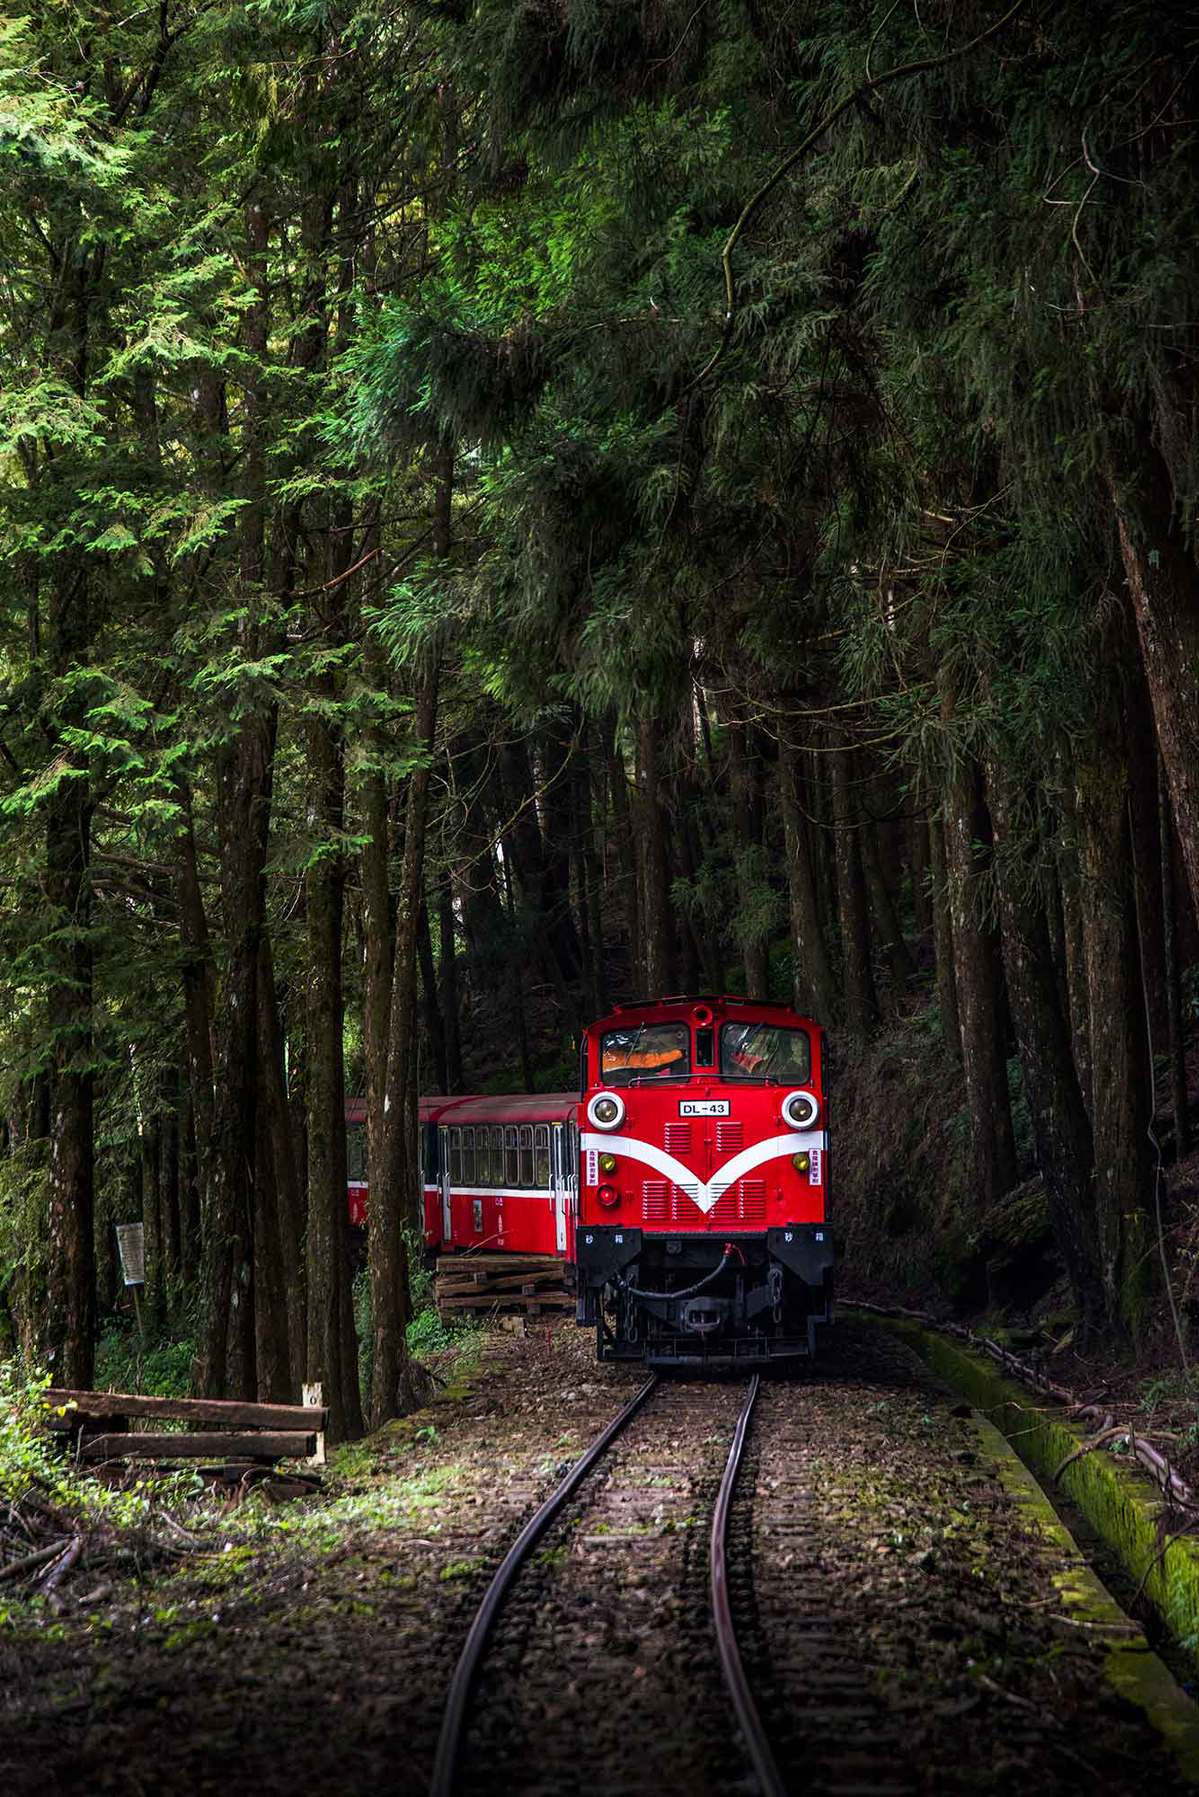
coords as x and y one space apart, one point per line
702 1300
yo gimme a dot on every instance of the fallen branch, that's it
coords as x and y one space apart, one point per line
62 1566
29 1562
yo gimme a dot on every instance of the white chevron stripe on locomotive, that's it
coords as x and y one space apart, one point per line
705 1195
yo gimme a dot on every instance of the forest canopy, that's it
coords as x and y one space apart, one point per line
512 505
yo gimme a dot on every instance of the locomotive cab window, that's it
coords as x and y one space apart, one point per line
765 1051
646 1051
526 1155
541 1156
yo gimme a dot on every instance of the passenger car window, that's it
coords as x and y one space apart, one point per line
468 1157
526 1155
541 1156
356 1151
455 1157
645 1051
511 1164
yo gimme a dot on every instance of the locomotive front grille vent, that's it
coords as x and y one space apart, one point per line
730 1136
744 1202
662 1202
677 1138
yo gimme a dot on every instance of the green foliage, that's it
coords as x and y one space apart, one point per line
160 1366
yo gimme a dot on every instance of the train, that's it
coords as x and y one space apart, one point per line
684 1184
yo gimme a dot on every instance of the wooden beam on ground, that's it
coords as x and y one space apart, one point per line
292 1444
229 1412
506 1301
496 1263
496 1282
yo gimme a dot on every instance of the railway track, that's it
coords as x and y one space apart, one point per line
446 1780
823 1577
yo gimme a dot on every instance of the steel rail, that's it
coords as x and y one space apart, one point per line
449 1741
758 1746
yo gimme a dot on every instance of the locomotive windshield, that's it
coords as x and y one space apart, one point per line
765 1051
647 1051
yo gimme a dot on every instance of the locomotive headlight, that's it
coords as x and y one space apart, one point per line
801 1162
800 1110
607 1163
606 1110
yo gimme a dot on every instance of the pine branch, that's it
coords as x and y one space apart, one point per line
920 67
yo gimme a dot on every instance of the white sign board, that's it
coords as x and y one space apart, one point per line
131 1246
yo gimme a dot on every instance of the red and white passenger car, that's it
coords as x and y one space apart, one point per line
685 1183
497 1173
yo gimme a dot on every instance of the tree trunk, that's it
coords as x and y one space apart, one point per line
154 1294
859 1003
431 1002
1176 1037
395 1182
447 984
1061 1130
377 932
947 988
749 870
168 1179
286 1319
244 767
392 1185
656 940
815 990
71 1273
1164 584
918 859
626 851
1120 1075
977 979
882 908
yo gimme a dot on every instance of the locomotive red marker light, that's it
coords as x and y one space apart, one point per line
608 1196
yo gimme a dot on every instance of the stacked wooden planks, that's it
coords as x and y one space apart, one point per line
100 1422
528 1283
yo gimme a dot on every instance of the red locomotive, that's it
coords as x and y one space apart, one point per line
701 1233
686 1182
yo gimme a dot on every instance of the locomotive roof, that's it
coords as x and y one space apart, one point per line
722 1001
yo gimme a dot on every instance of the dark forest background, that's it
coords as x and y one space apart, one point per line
516 505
